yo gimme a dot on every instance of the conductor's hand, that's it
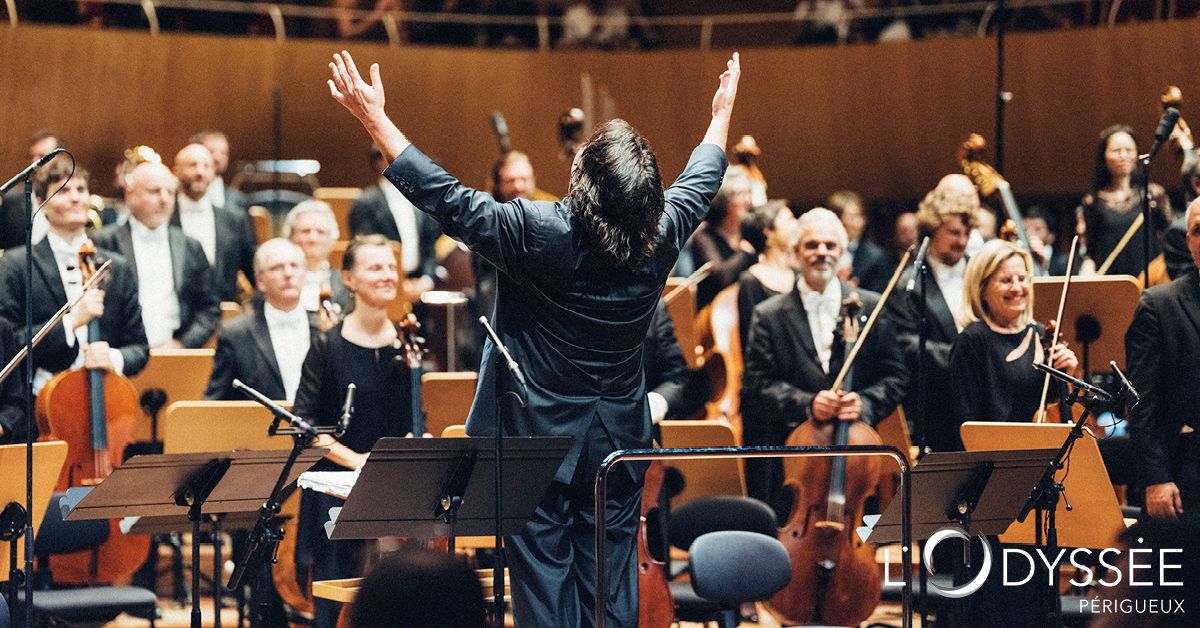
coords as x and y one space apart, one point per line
91 306
1163 501
722 104
1063 358
363 100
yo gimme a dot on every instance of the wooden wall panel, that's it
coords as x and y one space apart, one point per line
884 119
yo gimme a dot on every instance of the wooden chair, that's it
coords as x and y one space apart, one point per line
260 218
201 426
682 309
446 399
704 478
340 200
455 431
181 373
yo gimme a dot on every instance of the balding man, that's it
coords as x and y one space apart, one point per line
1162 346
219 193
179 305
265 347
225 234
12 205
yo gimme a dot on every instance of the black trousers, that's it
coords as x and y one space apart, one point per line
552 563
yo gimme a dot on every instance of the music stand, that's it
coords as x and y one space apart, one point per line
1097 313
181 374
197 485
48 459
1094 520
449 489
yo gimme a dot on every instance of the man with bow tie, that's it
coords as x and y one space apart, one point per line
57 278
265 347
946 216
794 354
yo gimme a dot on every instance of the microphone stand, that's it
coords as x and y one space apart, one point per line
503 361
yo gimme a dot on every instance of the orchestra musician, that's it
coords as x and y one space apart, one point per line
312 226
12 398
578 284
57 278
771 229
867 265
12 204
1175 249
1162 346
719 240
265 346
361 350
666 370
174 281
792 359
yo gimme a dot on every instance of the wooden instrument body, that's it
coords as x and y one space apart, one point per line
835 579
656 607
283 572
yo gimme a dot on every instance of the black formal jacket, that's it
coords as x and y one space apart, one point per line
12 401
1175 250
236 245
244 351
199 307
903 308
783 373
575 326
12 218
370 214
121 325
1162 350
871 267
666 370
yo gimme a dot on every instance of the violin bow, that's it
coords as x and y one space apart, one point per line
845 370
1062 303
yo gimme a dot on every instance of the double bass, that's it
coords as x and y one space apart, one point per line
835 579
95 411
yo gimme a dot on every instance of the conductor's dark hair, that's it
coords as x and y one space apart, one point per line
1101 177
616 194
419 587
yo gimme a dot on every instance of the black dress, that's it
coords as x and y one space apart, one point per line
751 292
1107 224
728 263
381 409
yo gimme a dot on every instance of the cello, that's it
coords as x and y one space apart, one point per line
109 404
835 579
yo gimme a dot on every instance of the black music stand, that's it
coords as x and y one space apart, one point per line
982 492
449 487
192 486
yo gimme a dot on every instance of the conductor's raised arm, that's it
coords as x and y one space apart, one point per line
722 104
365 102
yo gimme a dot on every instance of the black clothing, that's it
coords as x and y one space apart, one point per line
904 308
870 266
370 214
12 218
992 376
750 293
577 327
12 395
121 326
199 307
728 263
1106 226
235 247
381 409
666 370
1162 348
783 374
1175 249
244 352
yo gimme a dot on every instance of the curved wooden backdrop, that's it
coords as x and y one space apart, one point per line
883 119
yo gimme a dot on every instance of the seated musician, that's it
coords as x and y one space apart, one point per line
312 226
771 229
362 350
666 370
57 278
12 399
1161 347
792 358
174 280
265 347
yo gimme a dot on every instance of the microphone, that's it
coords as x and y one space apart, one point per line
45 159
1128 392
918 265
279 412
1166 124
513 367
347 410
1100 393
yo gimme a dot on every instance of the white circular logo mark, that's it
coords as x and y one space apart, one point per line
976 582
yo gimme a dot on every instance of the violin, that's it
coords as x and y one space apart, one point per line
95 411
413 345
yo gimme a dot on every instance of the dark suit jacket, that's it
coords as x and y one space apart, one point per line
199 308
235 200
1162 348
369 214
575 326
12 399
903 308
12 218
121 325
245 352
871 267
1175 249
666 370
236 245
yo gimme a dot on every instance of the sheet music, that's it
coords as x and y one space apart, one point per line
336 483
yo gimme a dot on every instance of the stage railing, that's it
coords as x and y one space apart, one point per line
985 10
629 455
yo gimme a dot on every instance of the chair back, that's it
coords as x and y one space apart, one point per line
698 517
735 566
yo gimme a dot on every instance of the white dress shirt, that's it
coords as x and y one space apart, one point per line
310 293
823 309
198 222
289 338
156 281
216 192
405 215
950 282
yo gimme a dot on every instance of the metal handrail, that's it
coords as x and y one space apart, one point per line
705 23
601 493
